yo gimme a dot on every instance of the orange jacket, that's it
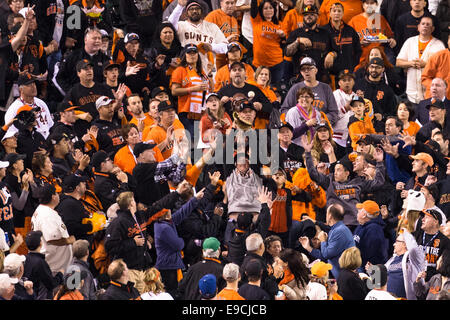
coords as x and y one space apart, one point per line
158 135
438 66
302 180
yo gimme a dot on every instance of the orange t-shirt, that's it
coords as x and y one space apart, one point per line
158 135
229 294
228 25
351 9
148 121
362 26
412 129
223 76
186 77
291 21
266 43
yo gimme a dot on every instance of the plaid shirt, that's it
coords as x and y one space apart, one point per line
172 169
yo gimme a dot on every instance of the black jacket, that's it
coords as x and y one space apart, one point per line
188 287
268 281
72 213
107 188
36 269
109 136
120 234
119 291
345 42
321 46
67 75
147 190
28 142
350 286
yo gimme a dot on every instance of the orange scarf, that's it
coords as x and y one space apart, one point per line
288 277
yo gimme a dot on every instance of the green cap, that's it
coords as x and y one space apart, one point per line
211 243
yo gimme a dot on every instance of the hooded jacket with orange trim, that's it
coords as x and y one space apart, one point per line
120 291
119 239
107 188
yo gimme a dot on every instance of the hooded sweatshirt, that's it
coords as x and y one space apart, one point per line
370 240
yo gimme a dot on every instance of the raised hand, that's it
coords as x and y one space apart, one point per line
214 178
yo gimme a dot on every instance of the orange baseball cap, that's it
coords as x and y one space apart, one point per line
370 206
320 269
425 157
25 107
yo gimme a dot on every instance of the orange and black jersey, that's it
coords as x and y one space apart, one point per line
345 42
109 136
34 58
6 212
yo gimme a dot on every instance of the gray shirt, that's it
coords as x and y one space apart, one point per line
323 100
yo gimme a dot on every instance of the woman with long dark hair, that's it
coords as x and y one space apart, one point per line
189 83
296 274
163 54
405 113
268 37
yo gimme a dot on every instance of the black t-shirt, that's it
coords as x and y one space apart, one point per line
321 45
84 98
251 292
433 246
236 93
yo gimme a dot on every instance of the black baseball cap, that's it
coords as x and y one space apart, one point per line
232 45
310 9
98 158
141 147
237 63
25 79
432 213
165 105
377 61
246 104
364 139
357 99
130 37
307 61
323 124
190 47
110 64
14 157
158 90
82 64
55 137
70 182
33 239
65 106
286 125
348 165
436 103
345 73
244 220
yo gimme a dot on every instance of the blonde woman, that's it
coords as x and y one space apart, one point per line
350 285
154 288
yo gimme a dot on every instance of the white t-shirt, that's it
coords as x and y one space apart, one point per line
375 294
49 222
159 296
44 120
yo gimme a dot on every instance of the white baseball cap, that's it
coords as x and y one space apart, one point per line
103 101
3 244
4 164
6 281
316 291
13 261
